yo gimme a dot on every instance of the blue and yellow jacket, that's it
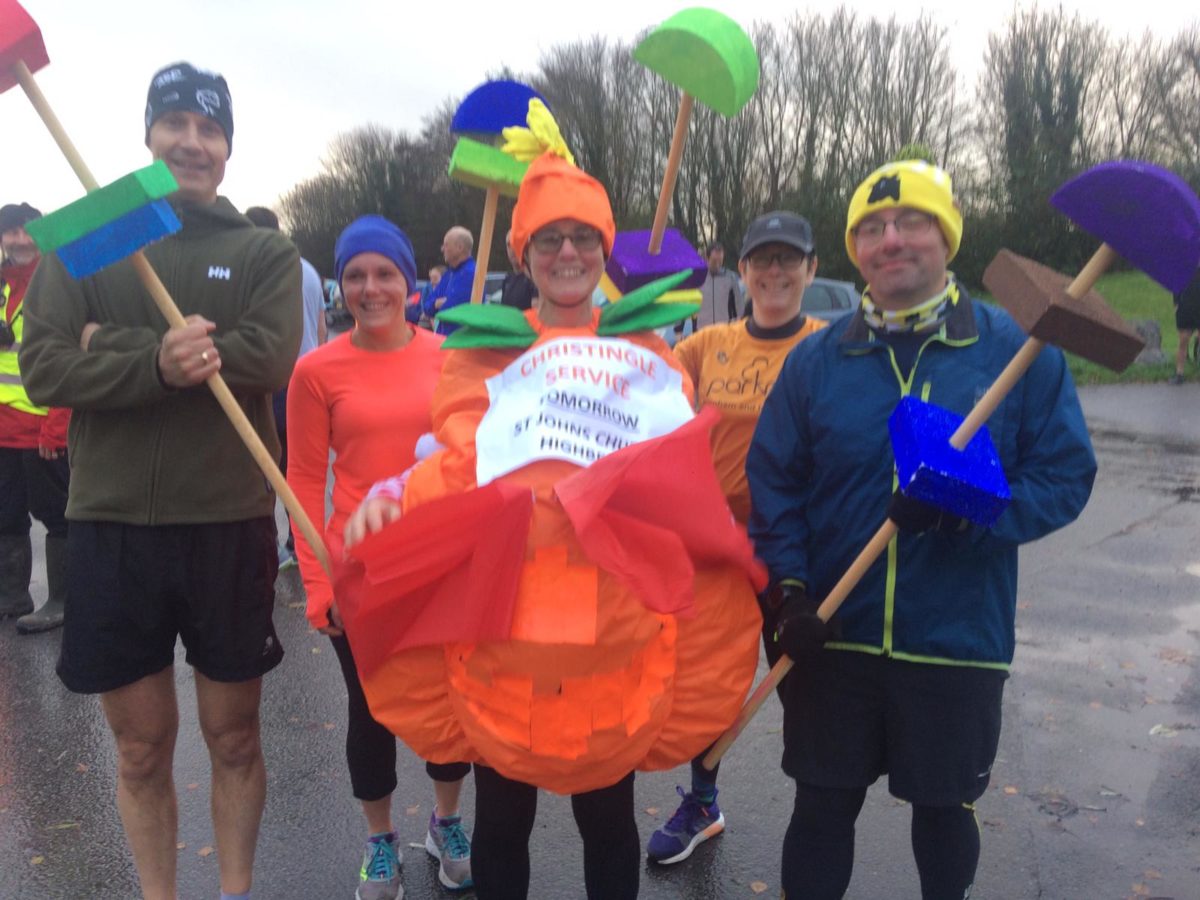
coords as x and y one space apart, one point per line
821 472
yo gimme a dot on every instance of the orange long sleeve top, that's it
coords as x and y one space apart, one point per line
368 408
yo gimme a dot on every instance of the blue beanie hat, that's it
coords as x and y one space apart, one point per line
375 234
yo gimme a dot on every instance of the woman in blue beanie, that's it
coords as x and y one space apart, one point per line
366 395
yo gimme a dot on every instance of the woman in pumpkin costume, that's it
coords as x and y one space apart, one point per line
627 626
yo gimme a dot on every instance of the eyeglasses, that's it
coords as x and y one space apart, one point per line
909 224
789 260
584 240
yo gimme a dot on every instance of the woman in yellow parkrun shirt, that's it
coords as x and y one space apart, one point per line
733 366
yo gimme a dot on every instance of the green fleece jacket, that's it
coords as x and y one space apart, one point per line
141 453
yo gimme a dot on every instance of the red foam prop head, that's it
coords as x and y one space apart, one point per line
20 41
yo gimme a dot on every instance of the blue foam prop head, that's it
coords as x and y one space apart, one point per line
119 238
632 265
494 106
968 482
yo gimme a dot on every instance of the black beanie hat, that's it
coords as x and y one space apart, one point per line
17 215
182 86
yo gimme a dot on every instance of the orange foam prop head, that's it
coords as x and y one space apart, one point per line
553 189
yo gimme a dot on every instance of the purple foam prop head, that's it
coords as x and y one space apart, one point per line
494 106
631 265
1147 214
968 482
119 238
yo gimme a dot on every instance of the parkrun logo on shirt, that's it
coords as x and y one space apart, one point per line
754 382
219 272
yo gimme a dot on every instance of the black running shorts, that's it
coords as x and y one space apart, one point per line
133 589
850 717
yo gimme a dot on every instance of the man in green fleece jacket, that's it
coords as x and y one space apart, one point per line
172 530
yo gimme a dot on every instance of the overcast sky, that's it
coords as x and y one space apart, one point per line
302 71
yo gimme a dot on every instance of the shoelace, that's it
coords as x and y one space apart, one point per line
455 840
382 864
684 814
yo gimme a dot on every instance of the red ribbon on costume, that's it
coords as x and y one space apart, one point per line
443 573
651 512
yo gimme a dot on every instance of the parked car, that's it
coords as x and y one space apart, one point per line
336 314
493 286
830 300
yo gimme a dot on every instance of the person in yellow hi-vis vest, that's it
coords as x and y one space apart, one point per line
33 449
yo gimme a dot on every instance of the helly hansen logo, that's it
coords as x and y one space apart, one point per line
221 272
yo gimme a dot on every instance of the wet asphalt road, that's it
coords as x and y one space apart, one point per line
1096 792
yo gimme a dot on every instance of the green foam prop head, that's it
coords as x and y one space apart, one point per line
705 53
484 167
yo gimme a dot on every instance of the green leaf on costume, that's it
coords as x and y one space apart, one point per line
640 310
487 325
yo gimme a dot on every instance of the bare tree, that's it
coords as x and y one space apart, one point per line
1131 123
1176 81
1040 109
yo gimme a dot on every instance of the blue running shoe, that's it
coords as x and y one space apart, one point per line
379 878
449 845
692 824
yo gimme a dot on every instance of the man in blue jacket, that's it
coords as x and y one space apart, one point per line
454 287
907 677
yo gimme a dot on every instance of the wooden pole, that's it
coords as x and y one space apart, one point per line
678 139
50 120
1100 262
162 299
828 607
485 243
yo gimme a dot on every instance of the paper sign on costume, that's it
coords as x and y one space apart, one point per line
576 399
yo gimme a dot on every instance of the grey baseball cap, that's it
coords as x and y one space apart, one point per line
778 227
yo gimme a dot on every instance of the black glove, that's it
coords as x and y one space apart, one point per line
914 516
799 631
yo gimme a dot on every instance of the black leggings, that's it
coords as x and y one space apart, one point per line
818 849
371 748
32 485
504 814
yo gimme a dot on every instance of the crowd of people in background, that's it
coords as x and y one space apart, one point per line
172 533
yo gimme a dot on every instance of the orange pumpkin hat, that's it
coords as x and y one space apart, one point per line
553 189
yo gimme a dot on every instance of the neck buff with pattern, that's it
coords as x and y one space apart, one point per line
922 317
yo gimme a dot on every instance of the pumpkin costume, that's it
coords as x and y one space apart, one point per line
622 627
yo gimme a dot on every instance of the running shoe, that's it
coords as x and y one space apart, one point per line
449 845
379 878
692 825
